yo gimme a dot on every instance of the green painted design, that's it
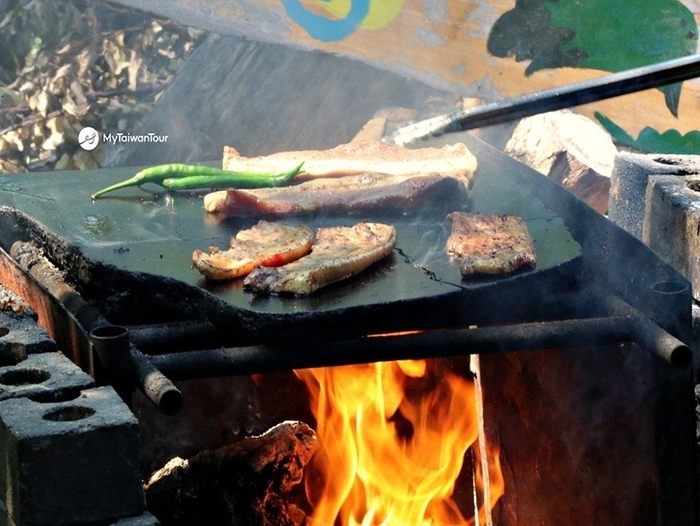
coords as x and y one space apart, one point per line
620 34
611 35
651 141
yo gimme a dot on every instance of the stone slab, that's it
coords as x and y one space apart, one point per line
45 377
70 462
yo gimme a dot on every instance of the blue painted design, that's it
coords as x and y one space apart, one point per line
323 29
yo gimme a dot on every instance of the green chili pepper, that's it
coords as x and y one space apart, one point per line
186 177
231 180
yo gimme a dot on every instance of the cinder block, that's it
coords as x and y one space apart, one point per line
672 224
20 336
70 462
629 180
145 519
46 377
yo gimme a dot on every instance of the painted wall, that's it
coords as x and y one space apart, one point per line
486 48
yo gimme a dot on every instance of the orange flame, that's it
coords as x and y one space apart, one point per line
393 438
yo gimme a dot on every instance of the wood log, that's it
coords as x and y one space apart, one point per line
239 484
569 148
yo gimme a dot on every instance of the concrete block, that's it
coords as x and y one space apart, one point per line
671 224
45 377
145 519
628 184
20 336
71 462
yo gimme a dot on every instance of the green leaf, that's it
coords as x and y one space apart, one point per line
610 35
651 141
616 35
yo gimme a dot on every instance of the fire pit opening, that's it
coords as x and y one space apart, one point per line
559 435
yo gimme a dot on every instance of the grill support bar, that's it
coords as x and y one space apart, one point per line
429 344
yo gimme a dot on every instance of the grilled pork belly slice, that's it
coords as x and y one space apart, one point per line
353 193
339 252
490 244
265 244
453 160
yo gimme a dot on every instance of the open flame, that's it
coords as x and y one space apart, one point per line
393 438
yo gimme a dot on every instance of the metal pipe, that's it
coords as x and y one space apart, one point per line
647 334
157 387
613 85
175 336
86 319
428 344
111 345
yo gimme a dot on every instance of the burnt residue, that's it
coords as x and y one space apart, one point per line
682 164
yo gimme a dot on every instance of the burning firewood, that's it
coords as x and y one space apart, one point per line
242 483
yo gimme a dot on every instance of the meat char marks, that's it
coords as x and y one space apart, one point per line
339 252
486 244
265 244
350 177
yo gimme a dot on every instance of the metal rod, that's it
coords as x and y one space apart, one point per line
613 85
429 344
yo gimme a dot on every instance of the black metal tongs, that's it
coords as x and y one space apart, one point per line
616 84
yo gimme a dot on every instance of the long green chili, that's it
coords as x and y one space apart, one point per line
177 176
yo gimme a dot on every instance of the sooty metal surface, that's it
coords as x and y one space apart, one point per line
138 233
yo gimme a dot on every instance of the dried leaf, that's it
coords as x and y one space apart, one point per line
133 71
54 141
43 103
85 160
56 124
69 51
14 140
83 60
5 147
65 163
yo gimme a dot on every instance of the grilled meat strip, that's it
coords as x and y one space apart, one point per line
357 158
490 244
353 193
339 252
266 244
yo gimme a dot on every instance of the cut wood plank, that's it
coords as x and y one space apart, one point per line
569 148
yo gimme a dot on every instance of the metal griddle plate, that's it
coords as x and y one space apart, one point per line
139 231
